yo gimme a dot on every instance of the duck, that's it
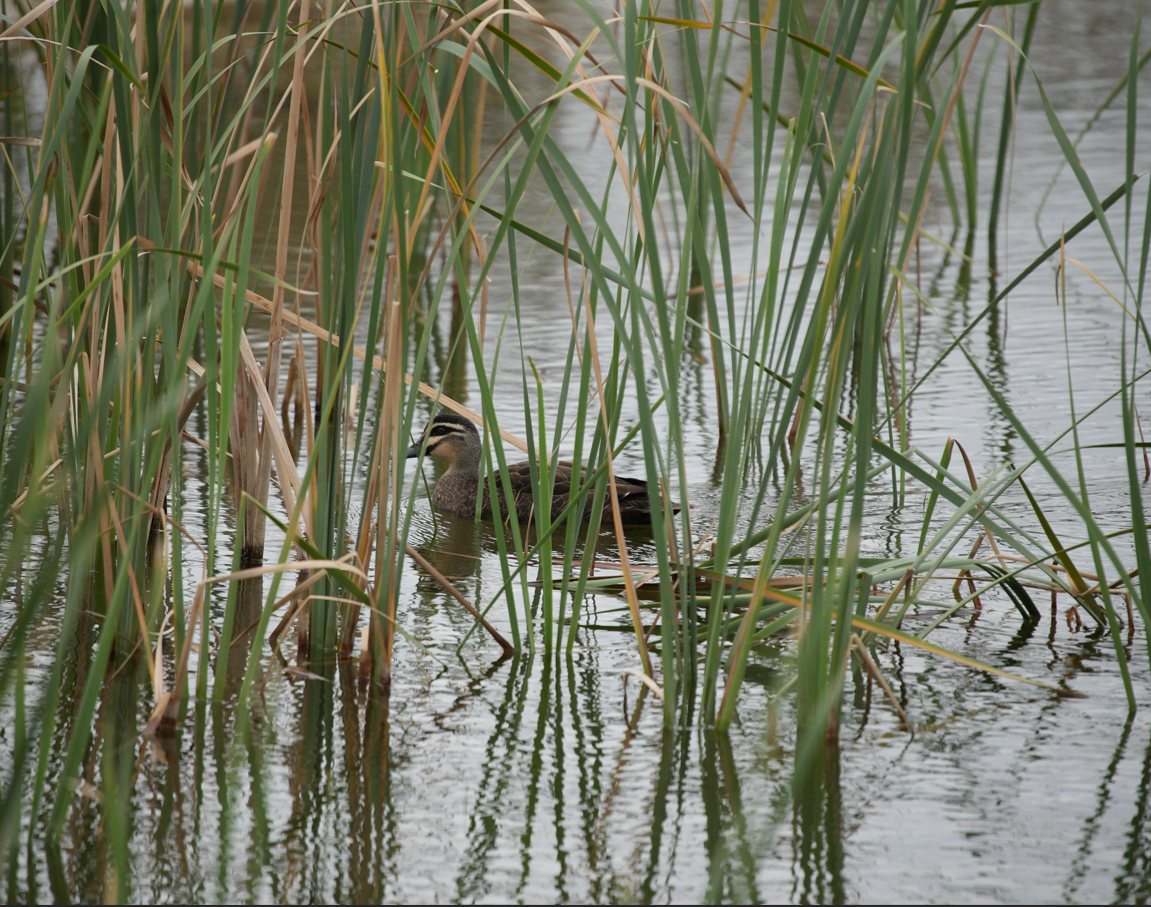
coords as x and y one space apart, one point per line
455 440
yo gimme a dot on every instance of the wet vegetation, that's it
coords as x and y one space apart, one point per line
266 233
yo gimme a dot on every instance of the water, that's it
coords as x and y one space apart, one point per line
552 778
528 780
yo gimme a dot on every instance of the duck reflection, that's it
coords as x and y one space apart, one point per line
454 550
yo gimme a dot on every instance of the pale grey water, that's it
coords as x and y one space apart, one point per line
531 781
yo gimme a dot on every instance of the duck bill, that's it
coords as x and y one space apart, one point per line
413 451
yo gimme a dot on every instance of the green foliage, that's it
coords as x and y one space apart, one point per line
168 133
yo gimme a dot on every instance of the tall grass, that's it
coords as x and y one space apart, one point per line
145 256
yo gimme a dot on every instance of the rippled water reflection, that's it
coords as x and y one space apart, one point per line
540 779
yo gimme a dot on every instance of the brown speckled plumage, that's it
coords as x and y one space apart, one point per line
456 441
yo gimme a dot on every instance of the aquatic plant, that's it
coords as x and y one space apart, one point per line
140 273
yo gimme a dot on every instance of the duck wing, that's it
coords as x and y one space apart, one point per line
632 493
634 504
520 479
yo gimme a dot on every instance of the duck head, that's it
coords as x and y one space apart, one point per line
451 438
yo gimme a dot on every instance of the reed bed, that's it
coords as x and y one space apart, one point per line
264 215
